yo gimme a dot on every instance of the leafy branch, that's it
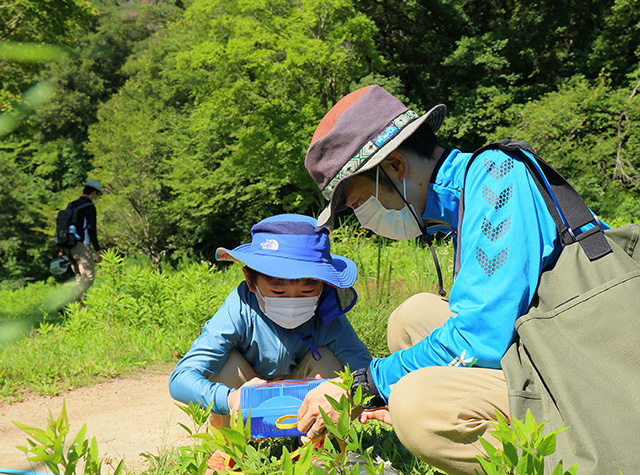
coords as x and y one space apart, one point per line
48 446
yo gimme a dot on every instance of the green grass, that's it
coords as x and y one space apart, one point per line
131 318
388 273
134 317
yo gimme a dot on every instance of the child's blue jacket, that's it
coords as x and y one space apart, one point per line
507 239
271 350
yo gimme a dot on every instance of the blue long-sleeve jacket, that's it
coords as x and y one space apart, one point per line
271 350
508 238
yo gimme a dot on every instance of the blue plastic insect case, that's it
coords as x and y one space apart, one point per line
273 406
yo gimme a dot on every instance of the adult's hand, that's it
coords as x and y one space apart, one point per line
309 417
381 414
98 257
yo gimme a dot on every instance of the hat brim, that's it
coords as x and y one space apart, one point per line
341 272
436 116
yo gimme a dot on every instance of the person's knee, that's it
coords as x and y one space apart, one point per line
397 337
326 366
439 413
412 403
414 319
235 372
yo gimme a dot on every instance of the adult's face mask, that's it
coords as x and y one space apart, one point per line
395 224
289 312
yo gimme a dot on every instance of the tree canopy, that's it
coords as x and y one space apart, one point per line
196 116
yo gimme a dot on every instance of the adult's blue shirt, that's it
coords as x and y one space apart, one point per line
508 238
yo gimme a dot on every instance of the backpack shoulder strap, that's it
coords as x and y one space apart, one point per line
576 212
74 215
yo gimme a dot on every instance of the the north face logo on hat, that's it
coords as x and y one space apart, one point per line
270 245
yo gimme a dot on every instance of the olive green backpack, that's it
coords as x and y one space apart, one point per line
576 357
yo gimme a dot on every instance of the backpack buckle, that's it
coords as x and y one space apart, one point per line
567 237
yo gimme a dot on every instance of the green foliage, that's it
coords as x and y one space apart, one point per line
587 130
333 455
388 273
381 441
50 97
348 449
616 45
31 99
523 453
207 138
131 317
33 26
196 117
42 21
49 446
524 448
134 316
22 232
481 57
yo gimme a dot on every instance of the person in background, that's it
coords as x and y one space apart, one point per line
81 257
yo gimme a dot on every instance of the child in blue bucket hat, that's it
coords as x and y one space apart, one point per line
285 320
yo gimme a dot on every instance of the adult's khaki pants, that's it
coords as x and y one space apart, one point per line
439 412
83 266
237 371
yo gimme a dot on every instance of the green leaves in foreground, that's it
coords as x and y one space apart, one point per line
47 446
524 448
341 452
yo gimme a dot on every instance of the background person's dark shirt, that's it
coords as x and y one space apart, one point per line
86 221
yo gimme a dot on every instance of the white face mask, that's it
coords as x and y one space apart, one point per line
395 224
289 312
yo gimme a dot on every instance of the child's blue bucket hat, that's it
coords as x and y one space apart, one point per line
293 246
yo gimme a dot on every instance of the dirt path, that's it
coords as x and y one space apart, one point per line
127 415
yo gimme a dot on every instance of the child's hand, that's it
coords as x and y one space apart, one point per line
234 397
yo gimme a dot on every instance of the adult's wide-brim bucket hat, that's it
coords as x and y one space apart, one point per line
358 133
293 246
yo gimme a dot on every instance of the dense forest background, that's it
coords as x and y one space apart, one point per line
196 114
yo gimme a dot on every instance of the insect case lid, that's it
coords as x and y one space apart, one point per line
273 406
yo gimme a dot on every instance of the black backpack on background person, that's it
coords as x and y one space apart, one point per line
66 218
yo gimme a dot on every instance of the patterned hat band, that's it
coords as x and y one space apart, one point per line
369 149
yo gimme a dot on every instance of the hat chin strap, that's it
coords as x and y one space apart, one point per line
425 238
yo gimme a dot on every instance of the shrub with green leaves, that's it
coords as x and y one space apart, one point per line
132 317
49 446
523 452
524 448
341 452
348 448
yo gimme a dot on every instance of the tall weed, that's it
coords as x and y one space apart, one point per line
388 273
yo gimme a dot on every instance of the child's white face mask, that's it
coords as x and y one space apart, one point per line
289 312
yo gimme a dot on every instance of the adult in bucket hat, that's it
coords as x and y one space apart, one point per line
285 320
372 154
